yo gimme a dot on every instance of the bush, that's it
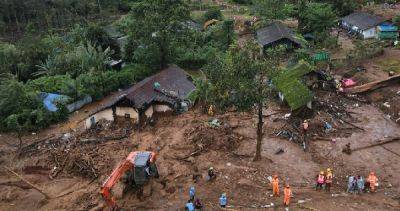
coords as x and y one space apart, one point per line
195 58
212 13
20 106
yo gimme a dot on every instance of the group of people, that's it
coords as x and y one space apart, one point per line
357 184
194 202
287 192
324 180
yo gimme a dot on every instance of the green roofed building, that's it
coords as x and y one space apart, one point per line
290 87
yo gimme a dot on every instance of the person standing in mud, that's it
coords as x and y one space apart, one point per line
320 181
328 180
287 195
360 184
305 129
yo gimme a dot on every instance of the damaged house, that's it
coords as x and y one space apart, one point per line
291 88
164 92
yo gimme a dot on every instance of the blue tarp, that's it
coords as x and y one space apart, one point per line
49 100
387 27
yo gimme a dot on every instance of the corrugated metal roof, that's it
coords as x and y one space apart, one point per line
275 32
363 20
174 83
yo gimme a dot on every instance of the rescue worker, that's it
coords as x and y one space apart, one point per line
320 180
223 200
211 110
360 184
189 206
373 181
351 184
305 129
197 204
287 194
328 179
211 174
192 192
275 185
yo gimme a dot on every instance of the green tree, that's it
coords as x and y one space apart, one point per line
345 7
155 25
238 78
316 18
270 9
9 55
13 124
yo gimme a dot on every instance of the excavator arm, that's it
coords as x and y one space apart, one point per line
112 179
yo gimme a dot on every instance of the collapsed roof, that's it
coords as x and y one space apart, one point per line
294 91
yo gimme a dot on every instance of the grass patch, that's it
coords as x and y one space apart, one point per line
388 65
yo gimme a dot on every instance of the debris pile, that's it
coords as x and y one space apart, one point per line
79 153
213 137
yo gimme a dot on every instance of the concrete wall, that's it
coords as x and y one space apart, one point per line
105 114
149 112
369 33
162 108
121 111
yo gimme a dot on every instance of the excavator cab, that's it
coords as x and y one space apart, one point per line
143 168
135 171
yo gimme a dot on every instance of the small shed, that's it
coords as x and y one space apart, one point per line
363 24
277 34
388 31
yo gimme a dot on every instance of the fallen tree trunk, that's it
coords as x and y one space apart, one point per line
377 144
373 85
29 183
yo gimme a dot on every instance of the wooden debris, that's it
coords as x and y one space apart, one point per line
395 139
373 85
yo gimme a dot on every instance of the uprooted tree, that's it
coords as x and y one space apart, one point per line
239 78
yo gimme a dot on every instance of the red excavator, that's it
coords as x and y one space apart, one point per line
135 171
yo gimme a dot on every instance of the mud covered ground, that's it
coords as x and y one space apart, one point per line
183 152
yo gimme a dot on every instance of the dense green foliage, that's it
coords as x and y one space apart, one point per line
271 9
157 26
212 13
30 16
316 18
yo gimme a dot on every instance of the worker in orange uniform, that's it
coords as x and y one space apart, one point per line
288 193
275 185
328 179
373 180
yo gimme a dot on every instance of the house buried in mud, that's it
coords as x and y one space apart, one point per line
164 92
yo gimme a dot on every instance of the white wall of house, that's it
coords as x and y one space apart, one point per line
122 111
369 33
149 112
106 114
162 108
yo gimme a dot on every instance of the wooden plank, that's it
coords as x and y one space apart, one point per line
373 85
